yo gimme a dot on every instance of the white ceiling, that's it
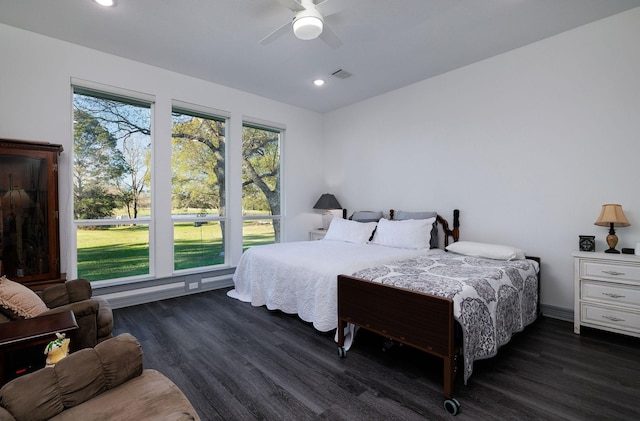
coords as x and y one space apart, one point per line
387 44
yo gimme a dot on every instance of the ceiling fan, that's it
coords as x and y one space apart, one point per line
308 23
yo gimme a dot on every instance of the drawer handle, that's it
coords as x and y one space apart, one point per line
613 319
612 295
612 272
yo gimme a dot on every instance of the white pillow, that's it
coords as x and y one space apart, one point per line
407 234
490 251
350 231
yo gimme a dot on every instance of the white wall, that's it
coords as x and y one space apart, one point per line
35 104
528 145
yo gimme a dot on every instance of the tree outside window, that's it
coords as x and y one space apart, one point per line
198 189
260 185
111 178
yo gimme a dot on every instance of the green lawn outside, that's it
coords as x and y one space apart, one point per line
122 251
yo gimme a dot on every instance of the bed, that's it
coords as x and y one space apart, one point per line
352 279
300 277
447 304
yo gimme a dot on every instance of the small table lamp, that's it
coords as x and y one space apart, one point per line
326 202
611 215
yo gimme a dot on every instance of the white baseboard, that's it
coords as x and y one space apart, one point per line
131 294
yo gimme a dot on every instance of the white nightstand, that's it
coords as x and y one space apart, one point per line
317 234
607 292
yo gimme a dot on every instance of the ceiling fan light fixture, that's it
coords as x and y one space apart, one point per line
307 27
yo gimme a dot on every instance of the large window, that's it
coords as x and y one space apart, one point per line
260 185
111 179
198 189
124 235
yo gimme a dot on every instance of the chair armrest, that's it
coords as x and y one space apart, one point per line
80 309
105 319
86 313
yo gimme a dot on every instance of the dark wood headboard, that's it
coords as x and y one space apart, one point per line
453 232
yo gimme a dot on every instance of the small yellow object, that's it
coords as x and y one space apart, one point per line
57 349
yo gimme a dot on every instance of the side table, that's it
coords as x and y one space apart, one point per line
317 234
607 292
19 335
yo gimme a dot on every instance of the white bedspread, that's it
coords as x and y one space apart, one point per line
301 277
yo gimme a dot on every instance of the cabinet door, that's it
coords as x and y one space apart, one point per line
29 225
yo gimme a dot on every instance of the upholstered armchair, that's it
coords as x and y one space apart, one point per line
93 314
107 382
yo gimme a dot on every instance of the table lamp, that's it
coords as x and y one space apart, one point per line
612 216
327 202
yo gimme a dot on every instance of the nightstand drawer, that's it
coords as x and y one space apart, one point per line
611 293
595 270
611 318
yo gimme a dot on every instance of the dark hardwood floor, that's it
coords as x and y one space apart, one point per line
238 362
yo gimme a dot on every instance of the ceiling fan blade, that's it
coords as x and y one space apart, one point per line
330 37
276 34
328 8
293 5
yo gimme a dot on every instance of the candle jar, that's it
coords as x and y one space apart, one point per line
587 243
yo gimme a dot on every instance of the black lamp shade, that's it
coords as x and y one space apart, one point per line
327 201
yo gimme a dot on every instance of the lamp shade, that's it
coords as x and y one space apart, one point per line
16 197
327 201
612 214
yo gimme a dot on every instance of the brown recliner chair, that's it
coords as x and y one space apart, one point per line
107 382
93 314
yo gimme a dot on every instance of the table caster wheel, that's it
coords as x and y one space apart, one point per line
342 352
452 406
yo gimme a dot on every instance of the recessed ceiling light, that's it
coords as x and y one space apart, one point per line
318 82
106 3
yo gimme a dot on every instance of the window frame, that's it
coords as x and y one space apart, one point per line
211 114
281 130
96 90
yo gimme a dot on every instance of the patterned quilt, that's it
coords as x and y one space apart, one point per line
492 298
